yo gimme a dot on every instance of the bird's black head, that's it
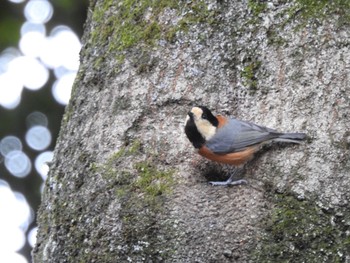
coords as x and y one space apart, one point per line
207 115
200 125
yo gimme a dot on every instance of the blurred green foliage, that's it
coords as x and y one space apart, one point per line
9 30
11 19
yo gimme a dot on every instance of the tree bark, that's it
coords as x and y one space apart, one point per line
127 186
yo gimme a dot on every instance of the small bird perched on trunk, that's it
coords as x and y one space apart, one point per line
230 141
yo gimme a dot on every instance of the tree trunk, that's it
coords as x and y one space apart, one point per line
127 186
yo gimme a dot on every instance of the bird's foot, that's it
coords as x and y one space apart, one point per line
229 182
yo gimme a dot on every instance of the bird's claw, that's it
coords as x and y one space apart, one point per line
229 182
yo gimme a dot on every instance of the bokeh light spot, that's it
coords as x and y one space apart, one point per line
62 49
15 212
32 43
38 11
7 56
32 27
60 71
32 236
8 257
18 163
9 144
10 91
14 221
13 240
41 163
32 73
38 137
17 1
24 213
62 88
36 118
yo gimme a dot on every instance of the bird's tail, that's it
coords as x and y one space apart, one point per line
290 137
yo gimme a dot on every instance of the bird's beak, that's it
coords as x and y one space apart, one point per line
189 117
190 114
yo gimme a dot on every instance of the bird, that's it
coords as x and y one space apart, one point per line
229 140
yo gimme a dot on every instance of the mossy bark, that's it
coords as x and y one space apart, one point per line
126 185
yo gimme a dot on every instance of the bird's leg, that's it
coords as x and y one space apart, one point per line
230 181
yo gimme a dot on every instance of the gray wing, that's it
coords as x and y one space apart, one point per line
236 135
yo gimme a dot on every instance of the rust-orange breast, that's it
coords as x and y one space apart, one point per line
235 158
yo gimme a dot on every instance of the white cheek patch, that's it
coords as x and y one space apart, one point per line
206 129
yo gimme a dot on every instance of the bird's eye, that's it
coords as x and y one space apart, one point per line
204 116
